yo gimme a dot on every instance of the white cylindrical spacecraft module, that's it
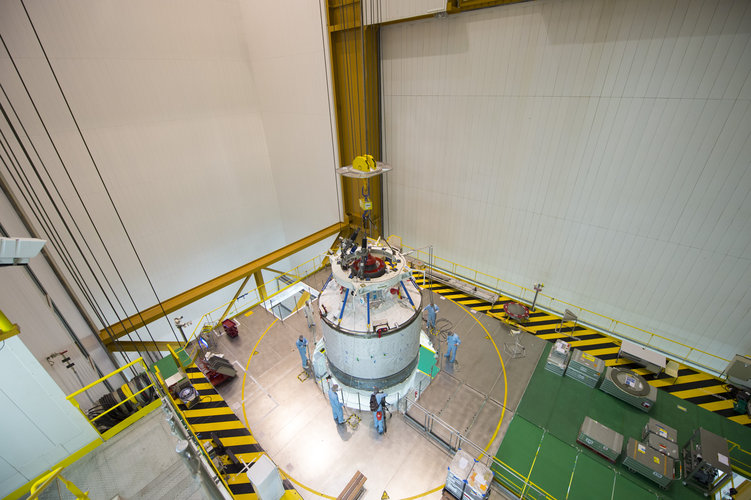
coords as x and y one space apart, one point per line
370 314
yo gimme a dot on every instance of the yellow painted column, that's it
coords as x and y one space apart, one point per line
356 84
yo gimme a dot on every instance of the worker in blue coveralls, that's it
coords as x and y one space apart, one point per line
302 348
432 310
376 405
453 341
336 405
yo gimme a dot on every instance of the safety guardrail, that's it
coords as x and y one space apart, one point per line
435 428
118 409
611 326
260 294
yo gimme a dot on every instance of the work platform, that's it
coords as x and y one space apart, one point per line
477 396
541 440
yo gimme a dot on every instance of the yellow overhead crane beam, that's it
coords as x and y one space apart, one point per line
146 345
170 305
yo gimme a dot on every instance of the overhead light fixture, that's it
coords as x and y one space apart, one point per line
15 251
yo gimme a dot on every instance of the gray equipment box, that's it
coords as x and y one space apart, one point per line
662 445
739 371
630 387
648 462
662 438
656 427
478 482
706 462
585 368
459 469
600 439
558 357
586 364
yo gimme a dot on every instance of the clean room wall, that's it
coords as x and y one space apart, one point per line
38 427
600 147
195 139
292 85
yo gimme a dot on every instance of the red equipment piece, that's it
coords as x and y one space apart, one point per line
230 328
374 267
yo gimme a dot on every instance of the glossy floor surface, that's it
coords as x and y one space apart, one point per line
291 418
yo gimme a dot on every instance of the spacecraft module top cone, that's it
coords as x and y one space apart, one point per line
371 316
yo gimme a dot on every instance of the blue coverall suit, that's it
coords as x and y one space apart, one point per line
301 348
432 310
379 424
336 407
453 341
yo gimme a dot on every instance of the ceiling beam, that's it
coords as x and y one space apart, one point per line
177 302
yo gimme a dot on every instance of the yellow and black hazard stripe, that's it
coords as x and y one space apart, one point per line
691 385
212 415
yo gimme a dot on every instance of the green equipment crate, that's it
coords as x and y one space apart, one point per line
630 387
650 463
600 439
558 357
585 368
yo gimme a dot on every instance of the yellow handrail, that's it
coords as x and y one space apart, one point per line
468 272
298 279
43 482
122 402
125 367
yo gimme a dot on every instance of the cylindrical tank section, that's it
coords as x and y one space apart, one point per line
370 315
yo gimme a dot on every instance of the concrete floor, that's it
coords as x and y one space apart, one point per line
140 462
292 419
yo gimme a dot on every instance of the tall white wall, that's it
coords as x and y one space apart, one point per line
209 125
38 427
600 147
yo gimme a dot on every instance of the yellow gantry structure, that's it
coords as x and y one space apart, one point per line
132 323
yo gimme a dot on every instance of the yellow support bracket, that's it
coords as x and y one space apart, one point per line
179 301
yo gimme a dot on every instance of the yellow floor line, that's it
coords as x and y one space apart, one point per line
718 405
703 391
577 343
238 440
741 419
217 426
207 412
696 377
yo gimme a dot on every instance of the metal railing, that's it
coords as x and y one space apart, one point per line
438 430
611 326
111 416
254 297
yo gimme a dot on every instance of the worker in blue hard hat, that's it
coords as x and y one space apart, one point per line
336 405
302 348
432 310
453 341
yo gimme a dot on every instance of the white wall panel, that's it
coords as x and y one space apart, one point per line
39 427
600 147
209 124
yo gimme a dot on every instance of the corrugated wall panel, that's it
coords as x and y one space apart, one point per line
600 147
